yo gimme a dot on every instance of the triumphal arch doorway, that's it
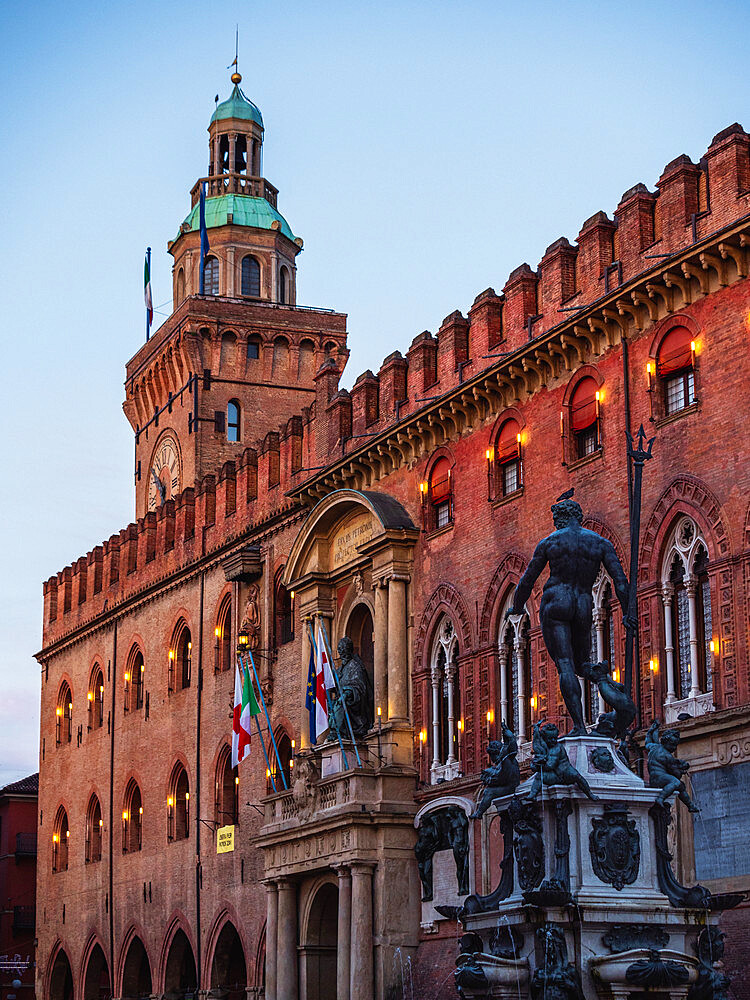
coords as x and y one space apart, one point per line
342 882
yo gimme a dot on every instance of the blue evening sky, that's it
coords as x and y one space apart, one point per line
422 150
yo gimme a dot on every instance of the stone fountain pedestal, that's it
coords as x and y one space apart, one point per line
579 905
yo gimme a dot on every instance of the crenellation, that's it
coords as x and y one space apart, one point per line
521 307
291 435
205 503
269 460
96 563
728 164
422 360
557 281
165 527
339 416
635 228
677 203
248 475
453 347
365 395
80 576
226 492
595 255
393 378
147 538
486 324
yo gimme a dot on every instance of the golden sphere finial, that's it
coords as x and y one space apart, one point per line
236 78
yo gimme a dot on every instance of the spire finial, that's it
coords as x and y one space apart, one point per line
236 78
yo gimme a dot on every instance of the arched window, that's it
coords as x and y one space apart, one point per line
284 285
508 470
94 826
211 276
253 347
675 369
280 357
604 643
250 277
446 703
517 695
132 819
284 746
437 497
584 418
180 658
227 799
330 349
228 351
64 715
180 287
233 420
60 842
284 612
306 363
134 679
688 621
178 805
223 635
95 698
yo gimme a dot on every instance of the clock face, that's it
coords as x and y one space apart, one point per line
164 474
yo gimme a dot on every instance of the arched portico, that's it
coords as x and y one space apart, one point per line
353 557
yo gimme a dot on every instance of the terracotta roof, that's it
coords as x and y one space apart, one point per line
26 786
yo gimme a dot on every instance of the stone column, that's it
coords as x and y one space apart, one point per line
503 660
274 277
381 645
450 676
690 587
232 152
361 976
287 972
397 650
518 648
343 951
435 716
666 596
272 917
599 626
230 282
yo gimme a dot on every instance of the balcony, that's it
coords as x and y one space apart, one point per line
219 184
25 845
700 704
24 918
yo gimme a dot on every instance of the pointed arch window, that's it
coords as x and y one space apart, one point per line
64 715
132 819
180 658
233 420
178 805
180 287
227 799
284 612
223 636
446 721
284 745
95 698
516 688
134 681
675 369
584 418
94 827
60 841
211 276
689 646
250 279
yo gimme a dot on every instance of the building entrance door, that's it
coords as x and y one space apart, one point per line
319 946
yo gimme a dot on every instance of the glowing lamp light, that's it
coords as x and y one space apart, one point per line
460 725
616 674
294 743
490 716
379 711
712 646
101 689
127 676
291 594
236 779
67 833
268 774
55 838
692 346
423 487
518 438
422 736
649 368
143 667
140 810
101 823
58 711
653 666
291 763
242 639
532 701
170 801
187 796
488 454
125 815
217 632
70 706
90 696
171 654
190 645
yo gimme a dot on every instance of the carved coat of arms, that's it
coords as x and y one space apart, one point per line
615 846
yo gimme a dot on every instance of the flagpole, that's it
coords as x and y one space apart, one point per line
268 720
342 699
260 734
148 322
328 701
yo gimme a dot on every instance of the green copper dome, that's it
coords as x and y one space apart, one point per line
245 211
238 106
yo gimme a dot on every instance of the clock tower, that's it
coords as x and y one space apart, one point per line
237 357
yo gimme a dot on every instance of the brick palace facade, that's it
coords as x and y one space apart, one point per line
403 513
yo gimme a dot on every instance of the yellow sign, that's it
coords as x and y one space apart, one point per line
224 839
353 533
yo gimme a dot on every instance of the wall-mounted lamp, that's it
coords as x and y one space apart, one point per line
653 665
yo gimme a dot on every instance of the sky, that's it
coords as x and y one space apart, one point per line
423 150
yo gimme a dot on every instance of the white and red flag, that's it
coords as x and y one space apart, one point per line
245 707
323 682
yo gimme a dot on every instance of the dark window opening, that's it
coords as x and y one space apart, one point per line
211 276
250 283
233 421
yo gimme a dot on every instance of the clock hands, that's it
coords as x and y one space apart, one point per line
160 486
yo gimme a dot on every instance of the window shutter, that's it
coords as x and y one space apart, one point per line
674 353
219 422
507 441
583 405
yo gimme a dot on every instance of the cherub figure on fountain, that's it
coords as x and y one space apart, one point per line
503 776
551 763
665 771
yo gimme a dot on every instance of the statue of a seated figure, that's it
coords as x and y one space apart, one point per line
356 692
503 776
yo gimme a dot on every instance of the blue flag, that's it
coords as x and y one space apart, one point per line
310 697
204 235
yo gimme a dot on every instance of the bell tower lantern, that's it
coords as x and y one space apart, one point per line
252 249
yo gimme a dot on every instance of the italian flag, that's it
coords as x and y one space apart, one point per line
147 291
245 707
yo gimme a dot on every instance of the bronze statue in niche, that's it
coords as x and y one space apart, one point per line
355 692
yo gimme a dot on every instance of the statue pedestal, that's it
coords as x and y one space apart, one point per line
584 906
